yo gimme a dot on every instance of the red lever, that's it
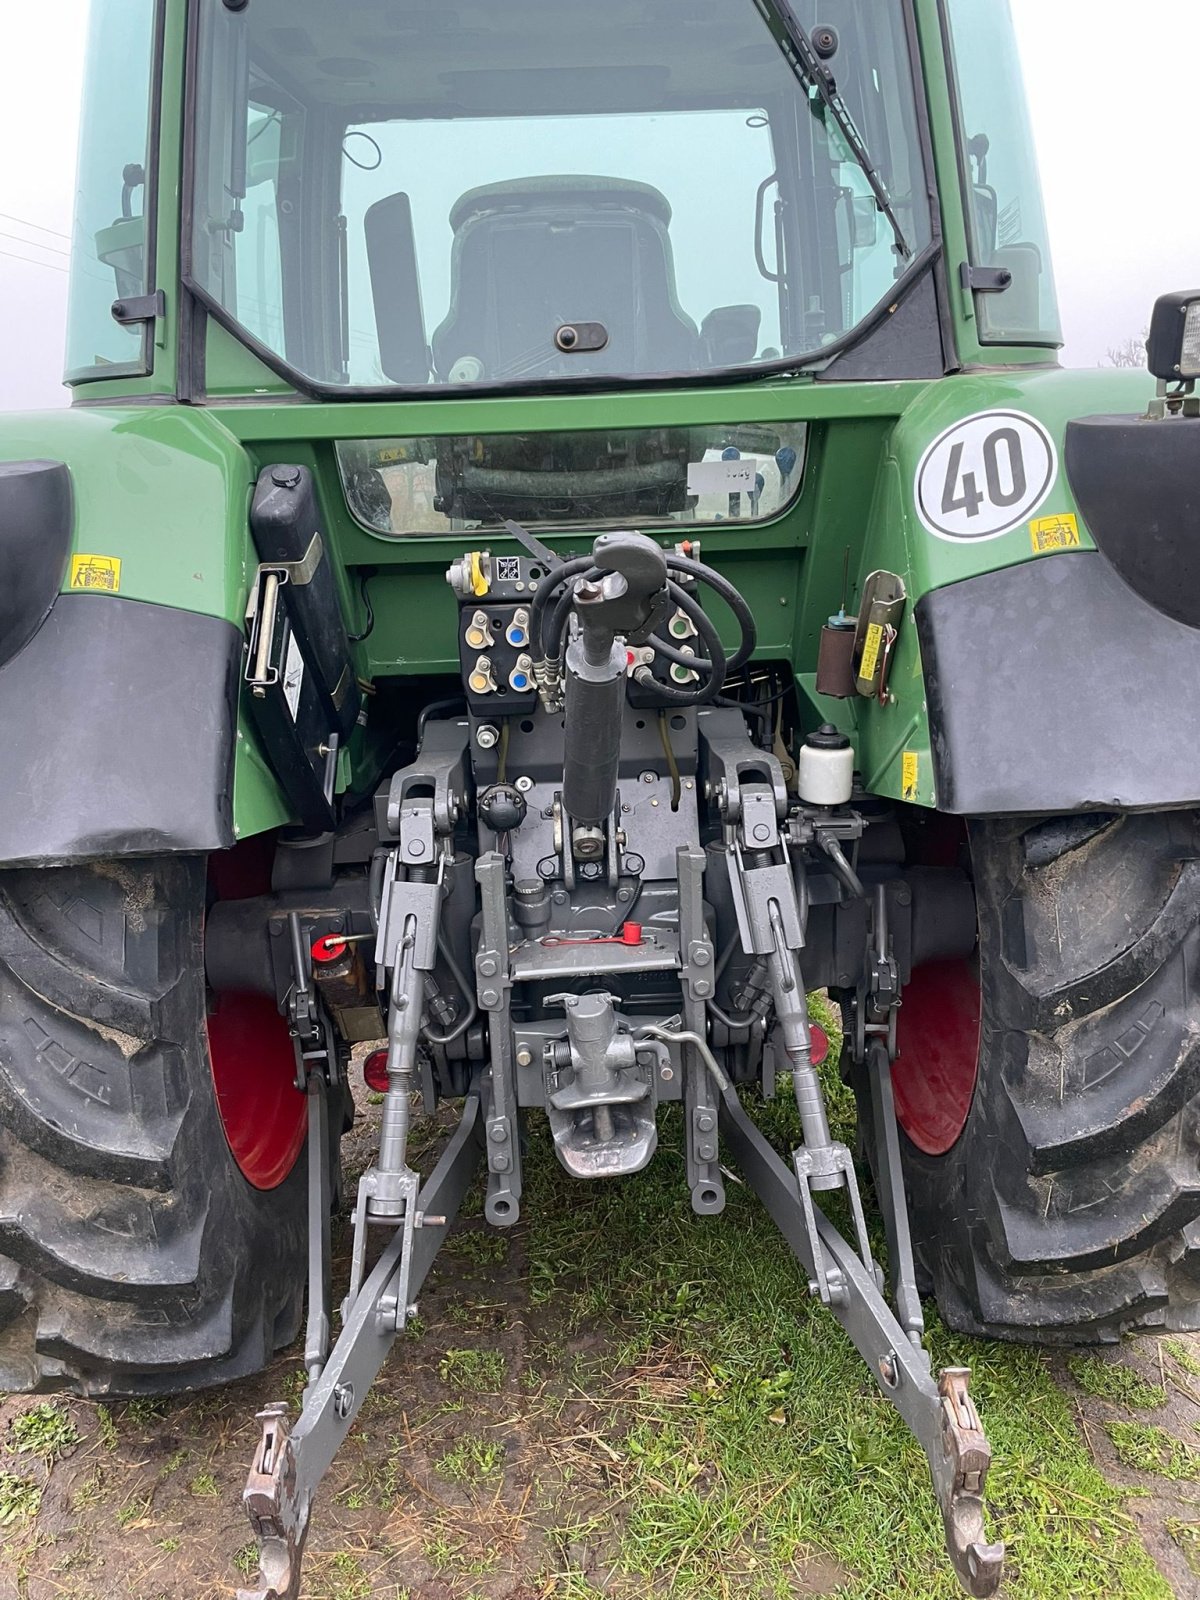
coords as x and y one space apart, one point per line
330 947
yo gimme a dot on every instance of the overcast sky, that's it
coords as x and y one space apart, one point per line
1118 169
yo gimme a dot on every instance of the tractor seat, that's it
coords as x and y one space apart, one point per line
536 253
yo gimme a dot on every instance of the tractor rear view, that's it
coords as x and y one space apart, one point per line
570 538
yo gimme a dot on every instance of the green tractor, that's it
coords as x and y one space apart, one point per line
571 536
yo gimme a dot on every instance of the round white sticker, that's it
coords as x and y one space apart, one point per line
985 476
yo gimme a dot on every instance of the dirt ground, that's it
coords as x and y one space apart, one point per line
520 1446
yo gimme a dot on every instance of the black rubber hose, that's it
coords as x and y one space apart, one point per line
731 597
541 598
672 652
706 630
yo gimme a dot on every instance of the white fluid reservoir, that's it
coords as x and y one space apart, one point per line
825 772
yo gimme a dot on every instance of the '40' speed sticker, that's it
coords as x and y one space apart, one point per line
985 476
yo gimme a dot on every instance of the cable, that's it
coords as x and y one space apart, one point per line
502 752
50 266
357 638
541 597
33 244
664 734
38 226
434 709
671 652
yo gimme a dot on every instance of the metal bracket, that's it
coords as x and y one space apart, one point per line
985 280
290 1463
133 309
698 981
494 987
940 1415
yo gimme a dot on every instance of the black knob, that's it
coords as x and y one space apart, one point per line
502 808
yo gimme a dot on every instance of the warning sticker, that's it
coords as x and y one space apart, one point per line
871 647
96 572
293 676
1055 533
910 774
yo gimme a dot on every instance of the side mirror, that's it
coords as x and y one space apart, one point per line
857 225
730 335
987 221
123 248
396 291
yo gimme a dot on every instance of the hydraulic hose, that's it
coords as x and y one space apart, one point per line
541 599
722 587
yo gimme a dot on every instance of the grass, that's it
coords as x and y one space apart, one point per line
1182 1357
20 1499
747 1434
471 1459
1145 1448
1187 1536
45 1430
473 1371
1112 1380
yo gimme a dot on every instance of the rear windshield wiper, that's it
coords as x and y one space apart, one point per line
820 83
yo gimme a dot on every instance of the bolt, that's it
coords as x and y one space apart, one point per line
626 809
524 784
488 967
649 777
703 988
500 1162
559 897
667 1074
524 1056
761 832
701 955
487 737
887 1370
490 997
705 1121
343 1400
624 894
654 802
498 1133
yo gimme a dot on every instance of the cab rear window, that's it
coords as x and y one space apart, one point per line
643 478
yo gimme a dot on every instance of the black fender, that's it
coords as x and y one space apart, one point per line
1054 687
36 522
119 723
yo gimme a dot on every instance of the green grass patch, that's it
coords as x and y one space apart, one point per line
205 1485
473 1371
1112 1380
1146 1448
1182 1357
484 1249
45 1431
472 1459
1187 1536
750 1437
20 1499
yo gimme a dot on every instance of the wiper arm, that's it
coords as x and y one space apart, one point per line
820 83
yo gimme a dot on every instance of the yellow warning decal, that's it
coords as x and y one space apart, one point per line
96 572
910 774
1055 533
870 655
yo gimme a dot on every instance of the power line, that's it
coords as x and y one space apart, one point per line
33 243
50 266
25 223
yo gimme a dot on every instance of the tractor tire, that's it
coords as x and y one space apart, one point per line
138 1254
1047 1090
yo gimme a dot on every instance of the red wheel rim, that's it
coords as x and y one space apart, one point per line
937 1037
264 1115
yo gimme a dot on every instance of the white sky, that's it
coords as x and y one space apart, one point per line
1117 168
